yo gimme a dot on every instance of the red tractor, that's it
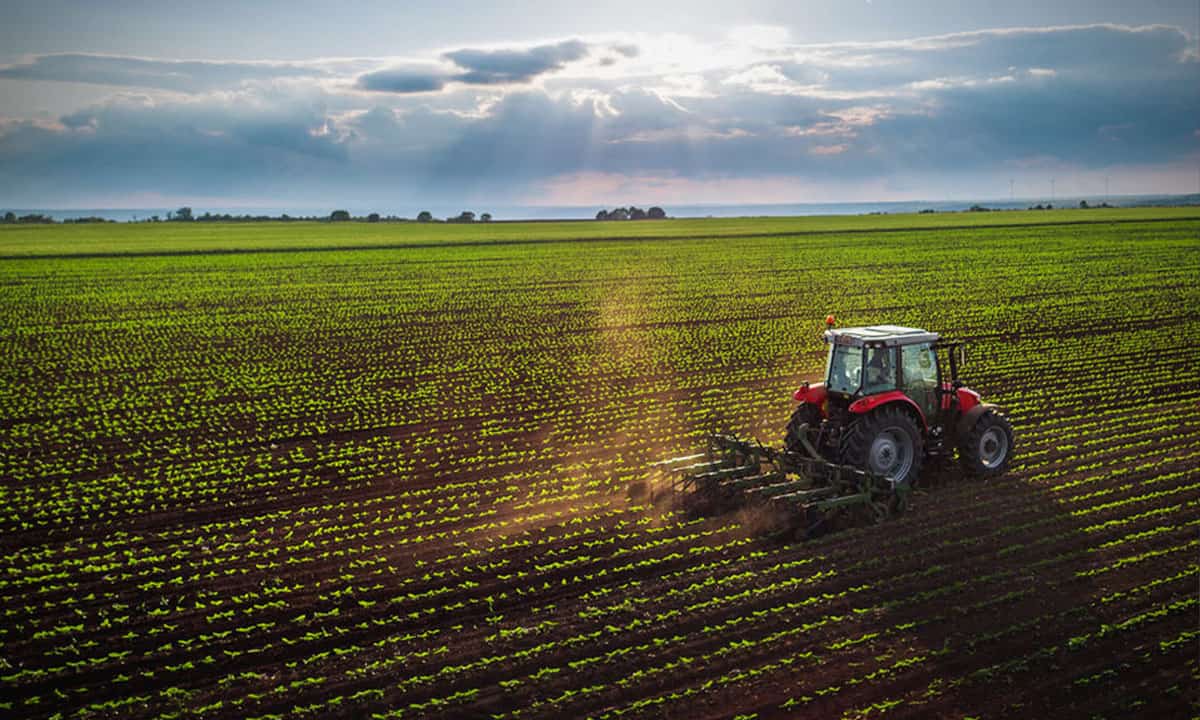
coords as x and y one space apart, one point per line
891 398
887 403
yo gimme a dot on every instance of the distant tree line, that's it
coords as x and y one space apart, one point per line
1083 205
466 216
187 215
632 213
10 218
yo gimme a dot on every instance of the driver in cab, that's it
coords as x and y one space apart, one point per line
880 373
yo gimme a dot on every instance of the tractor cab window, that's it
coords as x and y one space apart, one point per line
920 375
845 369
880 373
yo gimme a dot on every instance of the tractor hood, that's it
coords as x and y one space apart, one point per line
810 393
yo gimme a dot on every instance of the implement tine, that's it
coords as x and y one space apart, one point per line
681 459
698 467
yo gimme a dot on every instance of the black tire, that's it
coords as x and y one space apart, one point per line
887 442
805 414
987 448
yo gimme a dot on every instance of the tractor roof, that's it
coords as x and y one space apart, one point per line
886 335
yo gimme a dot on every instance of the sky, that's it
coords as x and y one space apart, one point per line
300 104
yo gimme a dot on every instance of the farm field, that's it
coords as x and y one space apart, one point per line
204 237
381 471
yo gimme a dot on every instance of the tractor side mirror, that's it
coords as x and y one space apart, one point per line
960 361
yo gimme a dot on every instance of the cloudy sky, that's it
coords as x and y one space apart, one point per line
292 103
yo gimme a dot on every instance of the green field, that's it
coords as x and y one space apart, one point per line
359 470
150 238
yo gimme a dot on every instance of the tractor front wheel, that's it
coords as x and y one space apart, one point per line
986 450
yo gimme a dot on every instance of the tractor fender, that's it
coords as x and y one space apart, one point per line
967 398
970 417
869 403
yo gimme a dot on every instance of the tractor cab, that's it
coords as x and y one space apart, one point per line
879 359
889 359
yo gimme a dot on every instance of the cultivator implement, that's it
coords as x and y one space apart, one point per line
806 493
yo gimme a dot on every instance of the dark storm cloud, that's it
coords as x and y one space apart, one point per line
494 67
476 67
189 149
403 81
189 76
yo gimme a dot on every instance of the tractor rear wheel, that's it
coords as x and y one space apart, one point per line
886 443
986 450
805 414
